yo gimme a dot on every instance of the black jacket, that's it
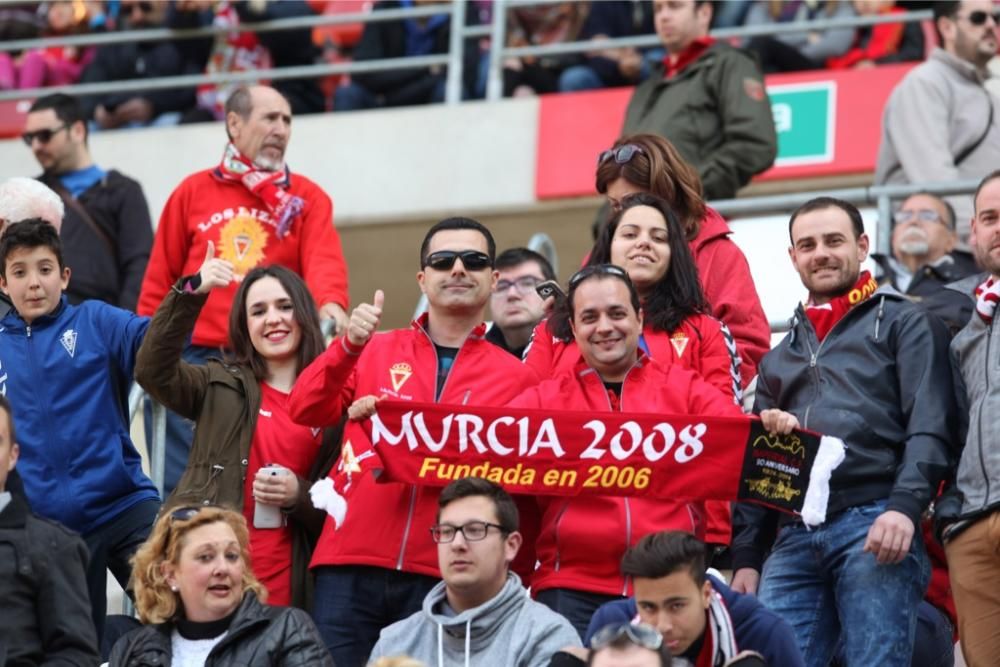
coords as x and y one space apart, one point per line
928 286
45 617
108 264
259 636
881 381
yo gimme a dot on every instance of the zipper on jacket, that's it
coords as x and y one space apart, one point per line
628 539
979 422
559 521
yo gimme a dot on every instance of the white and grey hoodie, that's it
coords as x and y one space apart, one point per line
509 630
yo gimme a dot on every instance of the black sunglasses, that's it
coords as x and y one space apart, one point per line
979 17
639 634
598 269
473 260
44 136
622 154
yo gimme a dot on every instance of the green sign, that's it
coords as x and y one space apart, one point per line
805 118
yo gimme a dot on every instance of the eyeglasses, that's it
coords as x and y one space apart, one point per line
923 215
597 269
474 531
523 285
621 154
473 260
979 17
639 634
44 136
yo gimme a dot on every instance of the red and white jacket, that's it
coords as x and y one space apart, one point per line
582 540
206 208
388 524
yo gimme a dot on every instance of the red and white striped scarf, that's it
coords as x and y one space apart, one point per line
987 296
268 185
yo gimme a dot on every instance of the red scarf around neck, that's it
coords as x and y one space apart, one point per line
268 185
824 316
674 66
987 296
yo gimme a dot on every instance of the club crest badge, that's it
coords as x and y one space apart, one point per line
680 342
68 340
399 374
242 242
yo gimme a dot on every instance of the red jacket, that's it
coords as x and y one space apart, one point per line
583 539
387 524
729 288
206 208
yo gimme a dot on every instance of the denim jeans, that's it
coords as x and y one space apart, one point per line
829 590
575 606
352 603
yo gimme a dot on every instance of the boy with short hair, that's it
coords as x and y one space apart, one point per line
62 367
45 617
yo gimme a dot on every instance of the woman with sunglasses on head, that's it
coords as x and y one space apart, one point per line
247 453
649 163
201 604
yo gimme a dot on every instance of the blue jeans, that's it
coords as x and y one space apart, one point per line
180 431
575 606
828 589
352 603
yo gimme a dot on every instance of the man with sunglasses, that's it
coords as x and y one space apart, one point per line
925 258
106 231
480 613
514 304
376 568
941 124
707 98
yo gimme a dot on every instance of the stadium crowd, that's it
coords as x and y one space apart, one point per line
273 541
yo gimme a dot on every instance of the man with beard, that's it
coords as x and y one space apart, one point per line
254 211
940 123
924 258
865 365
968 511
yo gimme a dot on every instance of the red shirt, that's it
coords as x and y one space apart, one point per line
672 66
277 439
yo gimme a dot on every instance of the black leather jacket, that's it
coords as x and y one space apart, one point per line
880 381
260 636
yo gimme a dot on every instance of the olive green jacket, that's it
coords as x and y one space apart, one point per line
716 112
223 400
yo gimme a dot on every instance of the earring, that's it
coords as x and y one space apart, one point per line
173 588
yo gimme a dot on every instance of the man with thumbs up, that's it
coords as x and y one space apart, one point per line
256 211
378 566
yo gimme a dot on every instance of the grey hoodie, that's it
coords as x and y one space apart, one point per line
509 630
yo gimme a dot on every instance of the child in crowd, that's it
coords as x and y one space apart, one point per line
64 369
46 613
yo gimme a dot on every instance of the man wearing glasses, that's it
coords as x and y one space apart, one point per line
480 613
924 258
515 305
940 123
106 232
376 568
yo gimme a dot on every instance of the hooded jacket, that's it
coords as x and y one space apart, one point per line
583 539
62 375
259 636
881 382
403 365
510 629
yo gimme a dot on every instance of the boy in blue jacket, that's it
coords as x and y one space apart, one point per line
63 367
700 618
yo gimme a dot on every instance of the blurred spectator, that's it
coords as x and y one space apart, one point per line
539 26
141 60
940 124
731 13
612 67
20 21
46 611
514 304
54 65
708 99
924 258
22 198
107 232
882 43
243 50
795 51
399 39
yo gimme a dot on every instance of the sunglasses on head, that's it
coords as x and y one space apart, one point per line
473 260
639 634
979 17
43 136
621 154
597 269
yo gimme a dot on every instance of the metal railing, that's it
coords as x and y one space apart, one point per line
452 60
